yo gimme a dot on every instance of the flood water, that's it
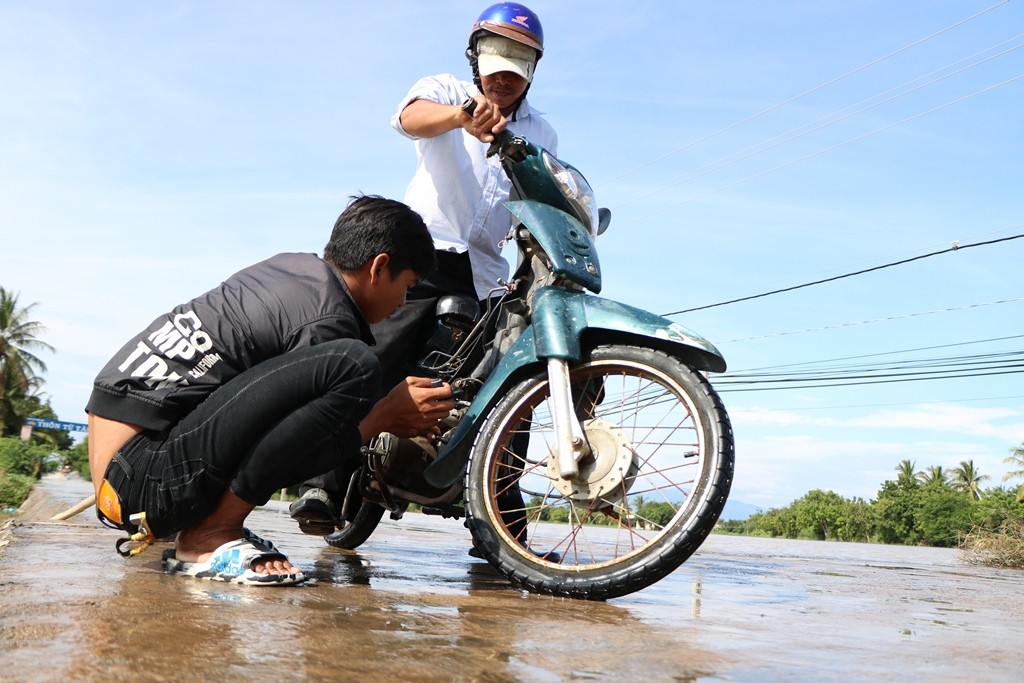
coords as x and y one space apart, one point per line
411 605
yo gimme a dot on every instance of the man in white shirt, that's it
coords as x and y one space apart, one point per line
459 191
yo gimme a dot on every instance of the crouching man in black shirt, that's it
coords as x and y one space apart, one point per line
259 384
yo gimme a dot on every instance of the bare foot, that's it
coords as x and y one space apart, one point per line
223 526
198 544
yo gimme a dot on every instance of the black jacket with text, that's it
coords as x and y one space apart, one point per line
287 302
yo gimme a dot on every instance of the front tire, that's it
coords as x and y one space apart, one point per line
652 491
356 531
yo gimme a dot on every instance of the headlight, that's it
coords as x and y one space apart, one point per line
576 190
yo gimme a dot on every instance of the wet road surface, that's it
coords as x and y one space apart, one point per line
411 605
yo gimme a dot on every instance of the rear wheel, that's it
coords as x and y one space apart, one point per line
650 492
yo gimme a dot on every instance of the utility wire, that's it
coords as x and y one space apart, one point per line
890 380
833 268
956 247
826 149
828 120
804 94
887 353
876 320
878 405
982 361
831 382
826 373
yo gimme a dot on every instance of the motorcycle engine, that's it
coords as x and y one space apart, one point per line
402 461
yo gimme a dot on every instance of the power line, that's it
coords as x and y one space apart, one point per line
876 320
804 94
831 382
878 405
857 370
825 150
827 373
955 247
888 353
828 120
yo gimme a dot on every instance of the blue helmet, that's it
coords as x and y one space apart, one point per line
511 20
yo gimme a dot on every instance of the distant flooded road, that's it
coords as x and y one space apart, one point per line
411 605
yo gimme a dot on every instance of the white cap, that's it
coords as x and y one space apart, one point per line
496 53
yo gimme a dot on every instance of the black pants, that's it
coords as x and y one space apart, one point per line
275 425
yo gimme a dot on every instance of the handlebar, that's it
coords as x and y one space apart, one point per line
500 139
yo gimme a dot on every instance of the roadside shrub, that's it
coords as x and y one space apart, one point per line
656 514
1003 547
78 458
14 489
20 457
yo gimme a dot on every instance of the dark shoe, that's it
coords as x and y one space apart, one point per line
550 556
314 512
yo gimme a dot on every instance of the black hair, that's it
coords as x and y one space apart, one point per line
372 225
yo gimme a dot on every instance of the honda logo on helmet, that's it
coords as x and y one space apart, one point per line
522 21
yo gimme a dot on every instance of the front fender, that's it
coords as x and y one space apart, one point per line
564 324
564 320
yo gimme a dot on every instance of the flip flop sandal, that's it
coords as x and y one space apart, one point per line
261 543
232 563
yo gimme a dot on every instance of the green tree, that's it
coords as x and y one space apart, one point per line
1017 459
943 515
907 469
656 514
732 526
895 511
19 367
996 507
857 522
78 459
935 474
775 522
545 512
819 514
967 478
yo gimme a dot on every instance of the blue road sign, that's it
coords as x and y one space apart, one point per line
46 423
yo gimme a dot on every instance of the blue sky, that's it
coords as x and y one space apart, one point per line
151 149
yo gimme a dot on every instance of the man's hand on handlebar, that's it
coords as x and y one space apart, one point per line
483 119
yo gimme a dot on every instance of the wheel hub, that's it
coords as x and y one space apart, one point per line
607 474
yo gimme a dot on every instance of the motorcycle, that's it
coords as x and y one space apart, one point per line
588 453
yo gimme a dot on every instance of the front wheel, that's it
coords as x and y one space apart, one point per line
357 530
648 494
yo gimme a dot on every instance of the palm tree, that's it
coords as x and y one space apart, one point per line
906 469
966 478
1016 458
934 474
19 367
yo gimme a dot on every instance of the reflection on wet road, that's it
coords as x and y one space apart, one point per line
412 605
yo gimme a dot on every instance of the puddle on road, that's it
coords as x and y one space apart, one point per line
411 605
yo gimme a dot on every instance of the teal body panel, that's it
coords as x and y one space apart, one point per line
569 245
564 324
